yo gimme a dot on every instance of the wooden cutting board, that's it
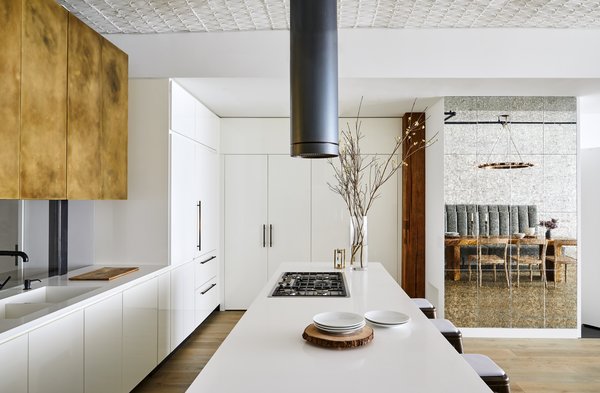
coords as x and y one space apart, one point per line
322 339
105 273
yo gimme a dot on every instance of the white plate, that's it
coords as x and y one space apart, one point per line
328 328
382 317
340 331
338 319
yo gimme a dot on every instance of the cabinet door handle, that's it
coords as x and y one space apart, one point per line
208 289
270 235
264 236
199 206
208 260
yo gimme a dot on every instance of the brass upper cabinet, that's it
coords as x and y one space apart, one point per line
63 106
10 97
84 175
43 101
114 122
97 116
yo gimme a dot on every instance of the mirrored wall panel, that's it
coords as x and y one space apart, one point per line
510 187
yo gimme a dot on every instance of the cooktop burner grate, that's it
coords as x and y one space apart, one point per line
311 284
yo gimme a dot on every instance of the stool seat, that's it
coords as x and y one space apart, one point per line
450 332
425 306
492 374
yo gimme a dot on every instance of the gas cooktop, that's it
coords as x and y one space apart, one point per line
330 284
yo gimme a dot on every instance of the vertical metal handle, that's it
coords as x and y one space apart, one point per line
199 206
264 236
270 235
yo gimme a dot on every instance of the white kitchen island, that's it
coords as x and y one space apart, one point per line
265 351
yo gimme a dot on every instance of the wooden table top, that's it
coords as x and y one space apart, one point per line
472 240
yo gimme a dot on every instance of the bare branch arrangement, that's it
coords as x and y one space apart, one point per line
359 179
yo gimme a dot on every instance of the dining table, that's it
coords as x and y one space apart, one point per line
453 245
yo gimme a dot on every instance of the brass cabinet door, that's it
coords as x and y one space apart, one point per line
43 101
10 98
114 122
84 119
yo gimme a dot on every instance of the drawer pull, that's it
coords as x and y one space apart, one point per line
208 289
208 260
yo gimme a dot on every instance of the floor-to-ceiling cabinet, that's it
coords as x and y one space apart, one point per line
267 200
281 209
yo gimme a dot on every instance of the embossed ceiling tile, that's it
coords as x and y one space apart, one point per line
146 16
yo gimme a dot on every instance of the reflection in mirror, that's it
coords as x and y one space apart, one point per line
24 225
533 285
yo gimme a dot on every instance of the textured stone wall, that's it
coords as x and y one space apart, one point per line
551 183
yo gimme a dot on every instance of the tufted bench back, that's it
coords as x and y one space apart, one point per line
504 220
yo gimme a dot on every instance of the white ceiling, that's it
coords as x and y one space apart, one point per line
164 16
269 97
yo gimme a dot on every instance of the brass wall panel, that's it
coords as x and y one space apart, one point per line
114 122
43 100
10 97
84 119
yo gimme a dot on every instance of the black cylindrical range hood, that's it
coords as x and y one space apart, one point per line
314 78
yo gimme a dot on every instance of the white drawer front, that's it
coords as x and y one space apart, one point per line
206 268
207 299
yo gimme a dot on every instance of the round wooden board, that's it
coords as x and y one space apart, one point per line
322 339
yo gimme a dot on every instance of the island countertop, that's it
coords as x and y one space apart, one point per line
265 351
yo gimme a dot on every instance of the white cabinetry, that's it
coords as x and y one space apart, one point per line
13 373
185 211
267 221
140 332
164 316
56 356
194 201
103 362
182 303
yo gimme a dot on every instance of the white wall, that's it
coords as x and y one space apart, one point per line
434 208
135 231
371 53
589 252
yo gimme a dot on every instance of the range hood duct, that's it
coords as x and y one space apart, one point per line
314 78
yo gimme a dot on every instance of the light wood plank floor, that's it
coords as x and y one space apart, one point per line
178 372
544 365
533 365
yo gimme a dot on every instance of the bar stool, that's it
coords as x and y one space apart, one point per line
492 374
451 332
425 306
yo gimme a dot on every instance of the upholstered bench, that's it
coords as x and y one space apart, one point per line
490 220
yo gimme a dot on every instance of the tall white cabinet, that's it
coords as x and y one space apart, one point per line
280 209
172 214
267 198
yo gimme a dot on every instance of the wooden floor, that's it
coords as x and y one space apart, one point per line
178 372
533 365
544 365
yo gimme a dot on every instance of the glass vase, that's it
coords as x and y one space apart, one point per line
359 247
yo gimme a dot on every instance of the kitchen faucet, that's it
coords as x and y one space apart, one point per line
12 253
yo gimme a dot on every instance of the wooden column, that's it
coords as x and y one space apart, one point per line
413 214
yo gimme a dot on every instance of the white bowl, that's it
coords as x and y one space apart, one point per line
530 232
518 235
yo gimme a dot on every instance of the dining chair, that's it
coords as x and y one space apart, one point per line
559 258
490 251
523 258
